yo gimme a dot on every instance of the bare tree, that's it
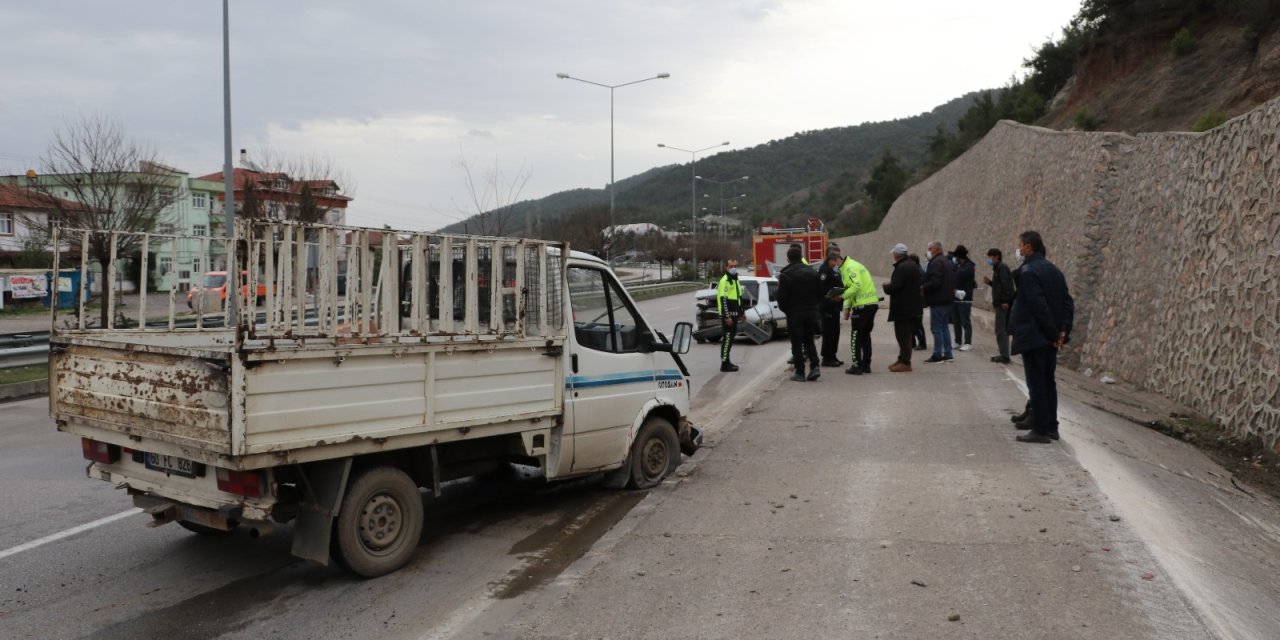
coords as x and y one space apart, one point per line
582 228
492 197
99 180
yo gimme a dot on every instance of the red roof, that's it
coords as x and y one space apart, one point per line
15 197
265 180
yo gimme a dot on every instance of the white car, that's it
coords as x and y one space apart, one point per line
761 302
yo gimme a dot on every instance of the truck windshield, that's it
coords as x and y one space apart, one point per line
212 281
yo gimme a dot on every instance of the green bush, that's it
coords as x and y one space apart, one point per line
1087 121
1211 120
1183 42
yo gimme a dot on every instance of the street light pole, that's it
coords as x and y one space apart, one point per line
228 188
693 196
722 198
611 87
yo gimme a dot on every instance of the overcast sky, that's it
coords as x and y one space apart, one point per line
397 92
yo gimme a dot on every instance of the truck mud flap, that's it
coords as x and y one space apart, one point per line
323 484
690 437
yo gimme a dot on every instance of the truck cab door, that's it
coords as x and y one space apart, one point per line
611 368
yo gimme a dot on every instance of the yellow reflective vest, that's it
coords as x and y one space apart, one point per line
728 294
859 290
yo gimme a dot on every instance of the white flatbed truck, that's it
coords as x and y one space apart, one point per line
379 364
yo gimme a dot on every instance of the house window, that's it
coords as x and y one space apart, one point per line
166 265
198 200
195 265
6 224
199 230
184 276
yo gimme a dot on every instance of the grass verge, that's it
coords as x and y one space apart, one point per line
24 374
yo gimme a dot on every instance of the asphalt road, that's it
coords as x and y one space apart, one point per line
77 561
830 501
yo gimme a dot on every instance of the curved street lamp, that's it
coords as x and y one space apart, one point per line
611 87
693 199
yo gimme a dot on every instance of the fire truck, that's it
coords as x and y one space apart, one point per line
771 240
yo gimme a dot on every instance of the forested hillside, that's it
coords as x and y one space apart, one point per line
811 173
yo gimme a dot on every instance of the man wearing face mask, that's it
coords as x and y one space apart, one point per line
1002 293
939 289
729 305
1041 320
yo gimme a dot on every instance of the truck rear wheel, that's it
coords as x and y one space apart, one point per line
654 454
379 522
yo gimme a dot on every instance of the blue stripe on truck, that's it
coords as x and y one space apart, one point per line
626 377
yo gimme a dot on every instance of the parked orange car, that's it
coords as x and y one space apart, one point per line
214 287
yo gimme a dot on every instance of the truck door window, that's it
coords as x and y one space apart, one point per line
602 319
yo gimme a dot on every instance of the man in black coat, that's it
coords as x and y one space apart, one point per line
1041 320
798 296
829 308
906 304
939 289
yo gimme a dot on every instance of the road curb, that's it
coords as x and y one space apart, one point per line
21 390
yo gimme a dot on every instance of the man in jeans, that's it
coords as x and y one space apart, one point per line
939 289
1002 292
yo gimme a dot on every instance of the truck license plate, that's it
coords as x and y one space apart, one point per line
174 465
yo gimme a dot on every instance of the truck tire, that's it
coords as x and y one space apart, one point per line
379 522
654 454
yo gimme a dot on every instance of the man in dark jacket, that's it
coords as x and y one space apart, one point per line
1002 291
962 308
939 289
1041 320
829 308
906 305
798 296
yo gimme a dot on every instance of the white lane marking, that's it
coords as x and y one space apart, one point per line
1022 386
675 308
67 533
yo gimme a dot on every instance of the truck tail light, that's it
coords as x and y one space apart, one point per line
99 451
244 483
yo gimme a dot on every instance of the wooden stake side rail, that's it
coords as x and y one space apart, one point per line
329 283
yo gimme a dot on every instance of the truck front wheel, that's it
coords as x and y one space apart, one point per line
379 522
654 454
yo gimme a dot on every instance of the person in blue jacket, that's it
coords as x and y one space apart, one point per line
1040 321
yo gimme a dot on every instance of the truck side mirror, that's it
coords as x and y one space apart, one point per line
681 337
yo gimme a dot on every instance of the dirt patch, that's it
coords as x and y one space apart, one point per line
1248 459
1254 467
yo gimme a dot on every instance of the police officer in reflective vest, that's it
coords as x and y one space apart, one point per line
860 305
729 305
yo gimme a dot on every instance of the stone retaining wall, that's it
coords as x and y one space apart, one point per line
1170 243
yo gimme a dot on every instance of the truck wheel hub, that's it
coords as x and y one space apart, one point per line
380 522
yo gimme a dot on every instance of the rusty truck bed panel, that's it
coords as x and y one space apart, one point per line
170 397
302 402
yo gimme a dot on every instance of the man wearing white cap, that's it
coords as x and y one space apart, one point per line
906 304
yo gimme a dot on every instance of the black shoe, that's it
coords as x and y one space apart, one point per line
791 360
1053 436
948 359
831 363
798 376
855 370
1032 436
1025 416
922 348
728 366
813 374
866 369
1023 425
935 359
1000 359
